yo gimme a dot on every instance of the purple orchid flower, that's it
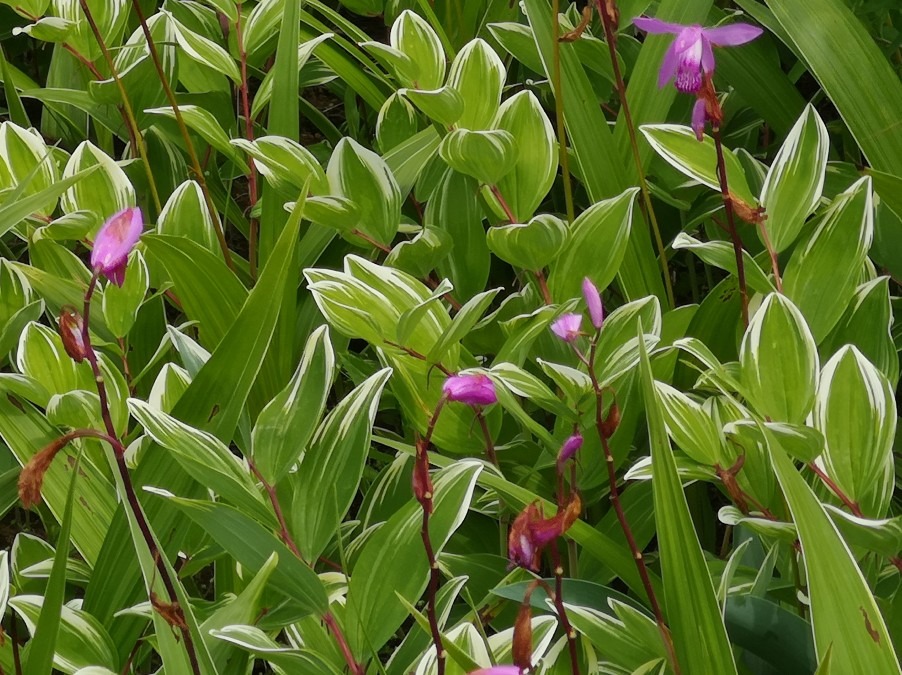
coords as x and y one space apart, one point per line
567 327
690 56
475 389
113 243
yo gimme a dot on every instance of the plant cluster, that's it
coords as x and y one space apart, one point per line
445 337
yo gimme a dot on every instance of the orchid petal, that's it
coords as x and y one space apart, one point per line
707 56
669 65
656 26
732 35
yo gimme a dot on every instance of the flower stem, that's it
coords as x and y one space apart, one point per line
543 287
284 534
621 514
128 486
731 224
509 214
559 108
774 264
611 38
186 137
354 667
561 610
127 111
249 135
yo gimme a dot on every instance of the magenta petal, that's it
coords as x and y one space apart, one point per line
570 447
117 274
475 389
707 56
698 119
656 26
115 240
669 65
593 302
567 326
732 35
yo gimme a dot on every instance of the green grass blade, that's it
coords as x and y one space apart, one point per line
856 76
692 612
844 613
40 653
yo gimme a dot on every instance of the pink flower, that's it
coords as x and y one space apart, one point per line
593 302
114 242
498 670
690 56
699 117
475 389
570 447
566 327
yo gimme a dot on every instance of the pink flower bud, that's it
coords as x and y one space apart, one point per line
114 242
570 447
567 326
593 302
476 389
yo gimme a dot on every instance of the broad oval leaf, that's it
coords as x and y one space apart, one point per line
779 361
415 38
856 411
531 245
487 156
478 74
104 191
596 246
795 180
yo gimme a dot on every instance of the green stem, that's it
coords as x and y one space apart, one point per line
128 111
186 137
611 38
559 108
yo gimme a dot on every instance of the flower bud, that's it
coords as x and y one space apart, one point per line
113 243
476 389
567 326
570 447
612 421
31 479
71 329
593 302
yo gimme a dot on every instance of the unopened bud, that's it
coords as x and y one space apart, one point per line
612 421
521 645
71 328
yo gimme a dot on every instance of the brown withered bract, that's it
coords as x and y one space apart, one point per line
612 421
31 479
71 330
576 33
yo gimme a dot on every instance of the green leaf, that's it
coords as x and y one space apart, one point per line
14 211
206 52
422 254
823 272
81 640
392 561
363 177
121 303
779 361
531 245
678 146
285 426
185 214
397 122
722 255
845 617
478 74
795 180
252 545
855 410
205 124
445 105
103 192
689 426
329 472
286 164
464 321
42 649
691 607
595 248
454 208
487 156
415 38
533 173
204 458
857 77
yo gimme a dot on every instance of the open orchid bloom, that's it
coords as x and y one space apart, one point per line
113 243
474 389
691 56
567 327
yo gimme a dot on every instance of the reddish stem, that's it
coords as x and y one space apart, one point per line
284 534
543 287
504 205
561 610
249 134
353 666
